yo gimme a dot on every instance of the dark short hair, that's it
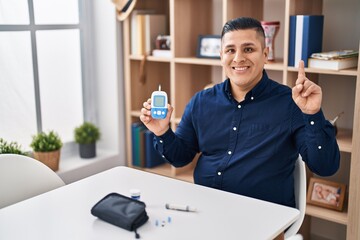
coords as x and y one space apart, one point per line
243 23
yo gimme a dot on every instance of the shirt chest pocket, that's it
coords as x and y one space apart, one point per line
260 139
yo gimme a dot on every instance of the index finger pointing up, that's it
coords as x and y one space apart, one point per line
301 69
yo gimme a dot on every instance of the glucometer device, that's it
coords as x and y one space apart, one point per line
159 102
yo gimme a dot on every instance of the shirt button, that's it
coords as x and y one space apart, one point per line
163 156
161 141
219 173
319 147
239 106
229 152
252 98
234 128
312 122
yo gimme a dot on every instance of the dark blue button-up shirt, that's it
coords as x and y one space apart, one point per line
250 147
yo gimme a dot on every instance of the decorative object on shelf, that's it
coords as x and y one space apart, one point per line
163 42
333 121
271 29
334 60
326 193
10 147
162 46
86 136
305 37
209 46
47 148
123 8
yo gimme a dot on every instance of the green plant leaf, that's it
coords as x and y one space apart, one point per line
46 142
86 133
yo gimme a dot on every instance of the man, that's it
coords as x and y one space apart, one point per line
249 129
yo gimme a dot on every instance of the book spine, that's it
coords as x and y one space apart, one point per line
134 49
148 145
142 147
134 127
299 43
153 157
292 34
137 130
312 36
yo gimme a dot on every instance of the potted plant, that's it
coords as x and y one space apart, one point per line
46 148
12 147
86 136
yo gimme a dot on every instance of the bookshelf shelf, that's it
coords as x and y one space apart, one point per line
150 58
345 72
182 75
198 61
277 65
344 139
327 214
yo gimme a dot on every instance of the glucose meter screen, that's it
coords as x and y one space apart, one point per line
159 101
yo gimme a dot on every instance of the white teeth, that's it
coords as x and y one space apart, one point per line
240 68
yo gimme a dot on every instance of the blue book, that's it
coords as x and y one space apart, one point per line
137 131
305 37
292 35
152 157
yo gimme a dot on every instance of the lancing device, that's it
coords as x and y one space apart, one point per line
159 102
177 207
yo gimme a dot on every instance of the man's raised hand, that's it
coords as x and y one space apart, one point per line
306 94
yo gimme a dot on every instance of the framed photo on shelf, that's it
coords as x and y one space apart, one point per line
326 194
209 46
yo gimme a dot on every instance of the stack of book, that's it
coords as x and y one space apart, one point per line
334 60
143 151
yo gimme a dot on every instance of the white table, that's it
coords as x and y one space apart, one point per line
64 213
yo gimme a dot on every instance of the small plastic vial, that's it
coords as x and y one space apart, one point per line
135 194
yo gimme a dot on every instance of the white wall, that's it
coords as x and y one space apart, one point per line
109 78
106 93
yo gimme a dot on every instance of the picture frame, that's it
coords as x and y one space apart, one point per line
209 46
326 193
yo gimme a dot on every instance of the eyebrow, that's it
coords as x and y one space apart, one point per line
246 44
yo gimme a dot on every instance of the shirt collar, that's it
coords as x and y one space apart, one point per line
253 93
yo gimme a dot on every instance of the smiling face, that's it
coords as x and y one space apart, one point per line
243 55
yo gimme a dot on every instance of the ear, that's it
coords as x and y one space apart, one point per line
221 58
266 54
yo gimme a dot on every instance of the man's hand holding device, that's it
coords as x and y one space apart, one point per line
156 112
159 101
